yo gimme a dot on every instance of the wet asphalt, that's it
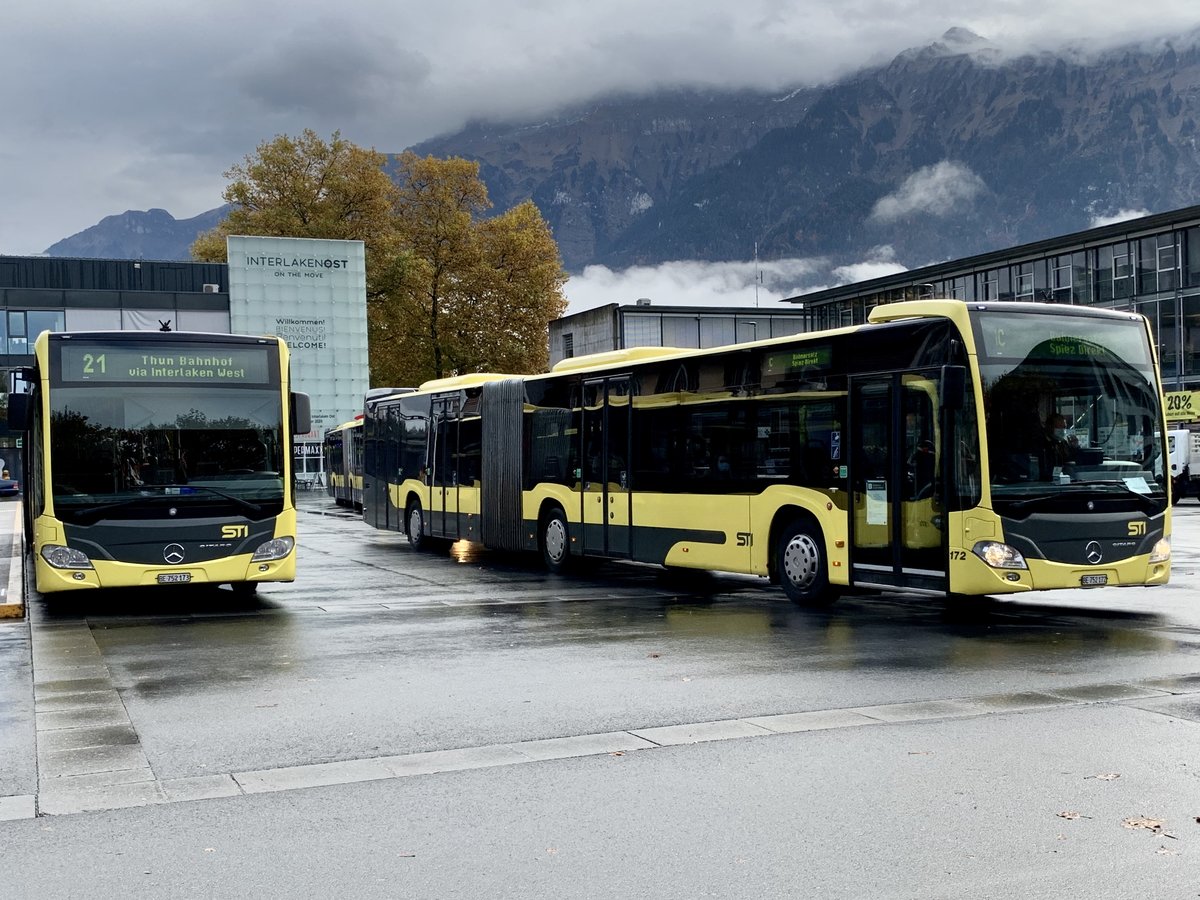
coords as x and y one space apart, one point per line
378 659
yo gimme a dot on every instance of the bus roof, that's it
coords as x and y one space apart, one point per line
455 382
613 357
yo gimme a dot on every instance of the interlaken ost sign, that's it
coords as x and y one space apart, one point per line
313 294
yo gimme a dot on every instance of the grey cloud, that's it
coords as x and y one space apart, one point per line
144 103
332 70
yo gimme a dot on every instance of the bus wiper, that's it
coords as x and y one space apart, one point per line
1077 491
90 516
1030 501
188 488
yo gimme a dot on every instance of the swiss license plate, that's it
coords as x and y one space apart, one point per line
185 577
1093 580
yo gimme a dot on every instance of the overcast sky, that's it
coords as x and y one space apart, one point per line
133 104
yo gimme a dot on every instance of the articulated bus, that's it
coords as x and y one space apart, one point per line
915 452
159 458
343 463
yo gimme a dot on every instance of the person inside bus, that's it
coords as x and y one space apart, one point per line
1056 439
1057 453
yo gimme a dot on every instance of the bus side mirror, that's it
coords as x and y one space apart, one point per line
954 387
301 414
20 409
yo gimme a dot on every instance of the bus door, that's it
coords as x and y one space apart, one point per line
443 476
607 409
387 467
897 522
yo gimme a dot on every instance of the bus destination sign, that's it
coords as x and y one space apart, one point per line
166 365
799 360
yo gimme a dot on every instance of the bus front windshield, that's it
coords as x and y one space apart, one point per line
211 450
1072 408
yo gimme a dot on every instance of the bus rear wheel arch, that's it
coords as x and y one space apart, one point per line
802 564
554 539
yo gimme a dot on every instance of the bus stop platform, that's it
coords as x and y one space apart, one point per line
12 597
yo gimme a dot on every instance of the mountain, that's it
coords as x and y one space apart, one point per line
948 150
138 234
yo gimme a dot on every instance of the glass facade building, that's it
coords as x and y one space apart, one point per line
1150 265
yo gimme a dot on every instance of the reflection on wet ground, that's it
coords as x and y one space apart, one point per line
365 599
742 621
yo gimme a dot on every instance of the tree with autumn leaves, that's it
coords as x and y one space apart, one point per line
449 289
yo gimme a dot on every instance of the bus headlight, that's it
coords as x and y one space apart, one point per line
65 558
276 548
1161 551
999 556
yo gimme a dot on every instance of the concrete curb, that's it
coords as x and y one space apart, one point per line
13 604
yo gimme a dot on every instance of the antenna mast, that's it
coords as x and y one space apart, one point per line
757 275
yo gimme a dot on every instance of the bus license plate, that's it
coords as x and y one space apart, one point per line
185 577
1093 580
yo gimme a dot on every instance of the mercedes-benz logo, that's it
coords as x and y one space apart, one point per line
173 553
1093 552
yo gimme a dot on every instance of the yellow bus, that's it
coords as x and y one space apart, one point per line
917 452
159 458
343 448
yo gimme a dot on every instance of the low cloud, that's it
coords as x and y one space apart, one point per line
721 284
936 190
1122 215
693 283
880 261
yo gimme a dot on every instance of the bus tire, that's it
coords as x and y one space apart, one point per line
803 569
555 541
414 526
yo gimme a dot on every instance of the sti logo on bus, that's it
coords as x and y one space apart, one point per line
1137 528
235 531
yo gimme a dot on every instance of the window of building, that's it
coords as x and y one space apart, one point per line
989 285
1061 279
1122 271
1081 276
568 345
1023 280
1191 254
961 288
1168 263
1190 335
25 325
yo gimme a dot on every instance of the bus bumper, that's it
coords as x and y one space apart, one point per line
974 576
107 574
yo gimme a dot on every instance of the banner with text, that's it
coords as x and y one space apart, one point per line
1182 406
313 294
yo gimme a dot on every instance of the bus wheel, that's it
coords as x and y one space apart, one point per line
556 541
800 556
244 589
416 526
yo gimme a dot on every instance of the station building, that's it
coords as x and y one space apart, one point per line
1149 265
621 326
312 293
